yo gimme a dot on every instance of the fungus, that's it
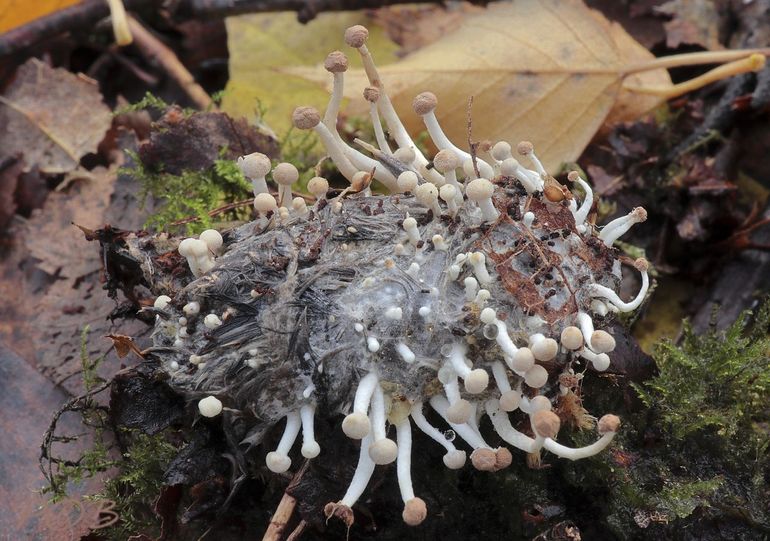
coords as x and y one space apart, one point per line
480 190
265 205
255 167
424 105
161 302
278 461
477 380
210 406
410 226
407 182
382 450
285 174
372 95
477 261
307 118
617 227
642 266
448 194
356 425
318 186
427 194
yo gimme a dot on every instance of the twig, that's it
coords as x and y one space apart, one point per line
284 511
155 50
298 531
83 16
472 145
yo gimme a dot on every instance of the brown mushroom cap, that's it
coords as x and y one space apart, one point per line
642 265
446 160
356 36
305 118
484 459
371 94
424 103
415 511
336 62
503 458
608 423
524 148
573 176
546 423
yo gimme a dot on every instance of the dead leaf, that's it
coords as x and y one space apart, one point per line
52 117
179 142
15 13
10 169
124 345
261 45
693 22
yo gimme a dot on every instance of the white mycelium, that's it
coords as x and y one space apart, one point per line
472 295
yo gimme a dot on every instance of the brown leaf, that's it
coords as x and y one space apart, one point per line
179 142
124 345
540 70
693 22
10 169
52 117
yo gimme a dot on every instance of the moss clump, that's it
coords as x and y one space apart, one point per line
695 456
186 200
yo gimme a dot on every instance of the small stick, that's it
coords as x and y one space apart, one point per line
471 145
155 50
285 509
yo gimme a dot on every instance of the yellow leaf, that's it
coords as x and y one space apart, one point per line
261 46
15 13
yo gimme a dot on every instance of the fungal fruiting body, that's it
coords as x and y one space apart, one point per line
466 295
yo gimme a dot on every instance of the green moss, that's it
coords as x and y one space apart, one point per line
185 201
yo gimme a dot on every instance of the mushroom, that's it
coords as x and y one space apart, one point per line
278 461
210 406
255 167
356 425
480 190
617 227
453 459
285 174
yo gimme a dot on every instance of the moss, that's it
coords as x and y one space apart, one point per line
185 201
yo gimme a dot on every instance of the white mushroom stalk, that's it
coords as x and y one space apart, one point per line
525 148
607 426
619 226
531 181
255 167
454 459
307 118
372 95
415 510
310 447
335 63
356 37
278 461
361 476
356 425
642 266
382 450
581 214
475 380
424 105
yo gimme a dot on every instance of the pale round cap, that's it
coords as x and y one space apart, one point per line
311 450
446 160
479 189
424 103
509 167
285 174
356 36
545 349
501 151
546 423
305 118
510 400
524 148
415 511
477 381
608 423
277 463
356 425
602 342
405 155
265 202
536 377
447 192
459 412
336 62
212 238
571 337
318 186
407 181
210 406
523 360
484 459
601 362
254 165
454 460
426 193
503 458
161 302
540 402
383 451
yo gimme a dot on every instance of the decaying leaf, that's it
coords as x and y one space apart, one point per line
15 13
693 22
51 117
262 46
124 345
